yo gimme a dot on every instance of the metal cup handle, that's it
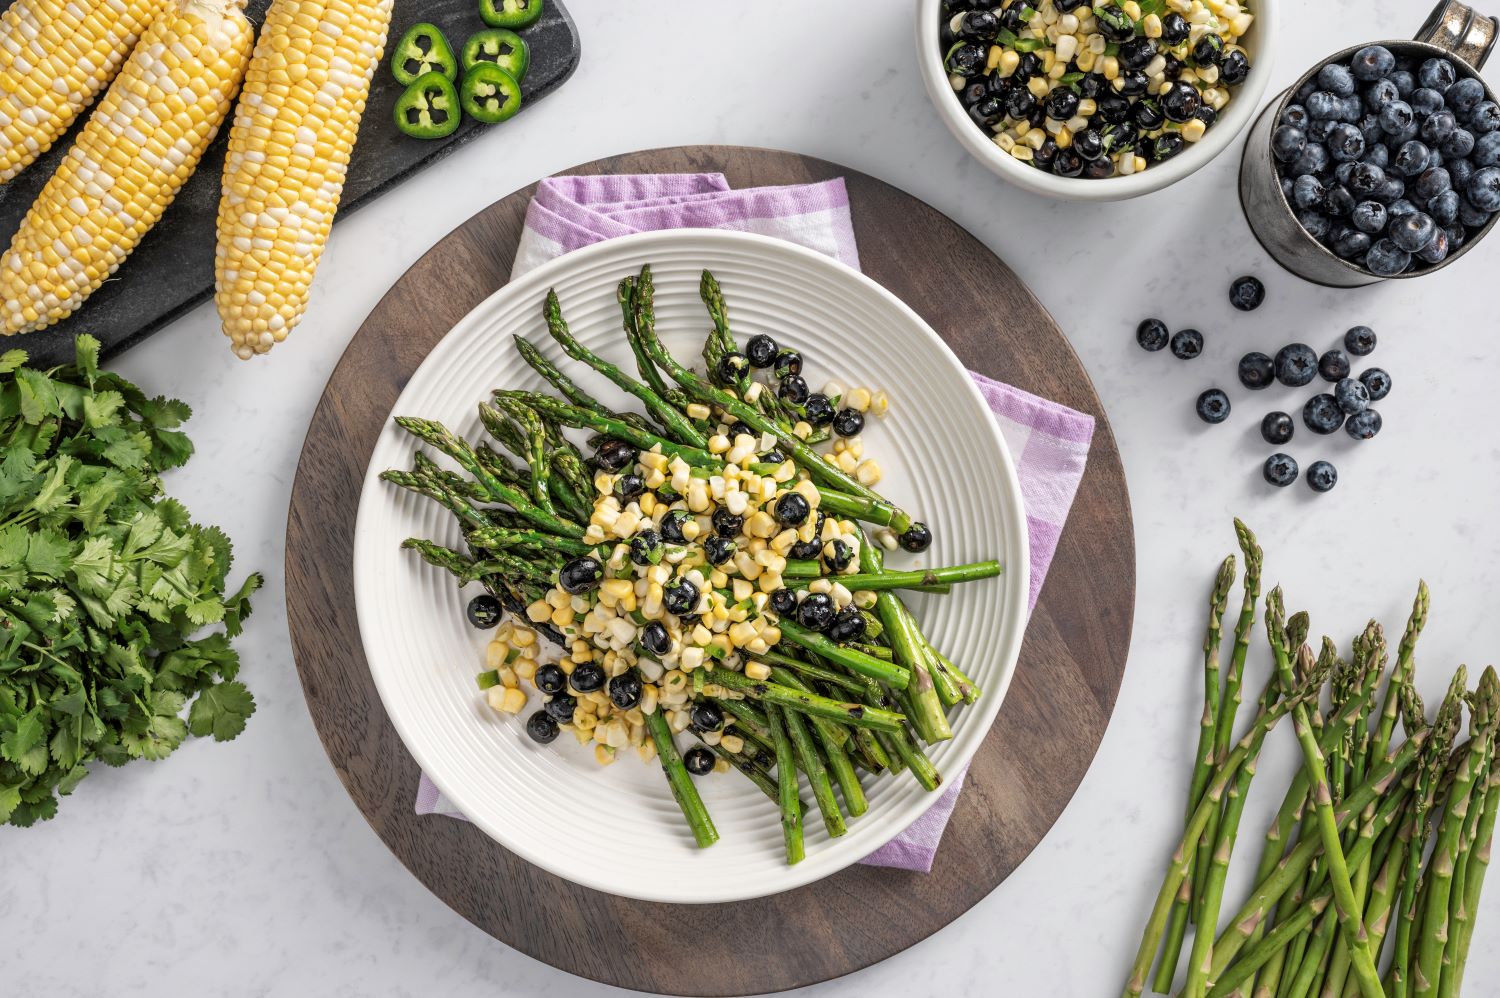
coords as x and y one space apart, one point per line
1461 30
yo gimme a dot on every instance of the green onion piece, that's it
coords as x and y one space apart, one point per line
486 680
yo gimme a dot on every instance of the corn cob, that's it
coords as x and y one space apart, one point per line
55 58
288 155
139 147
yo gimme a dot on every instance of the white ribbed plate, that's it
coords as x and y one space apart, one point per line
617 829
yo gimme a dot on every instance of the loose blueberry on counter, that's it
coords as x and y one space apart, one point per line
1213 406
698 760
625 690
1187 344
818 410
680 598
484 611
848 422
787 363
1280 470
1152 334
1247 293
541 728
1322 414
1296 365
793 388
849 625
613 455
1360 341
761 351
581 575
586 677
1277 428
654 638
706 716
1352 396
783 602
1322 476
1365 425
1376 382
560 707
916 539
1256 371
816 611
550 679
792 509
1334 365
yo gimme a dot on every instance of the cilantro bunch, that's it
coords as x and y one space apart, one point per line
104 581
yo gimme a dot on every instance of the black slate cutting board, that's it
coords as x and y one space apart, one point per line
173 268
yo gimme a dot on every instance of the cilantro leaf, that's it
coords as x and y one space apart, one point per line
221 710
26 744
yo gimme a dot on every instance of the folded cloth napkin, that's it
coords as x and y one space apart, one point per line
1049 442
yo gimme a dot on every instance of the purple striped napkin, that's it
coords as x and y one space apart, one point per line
1049 442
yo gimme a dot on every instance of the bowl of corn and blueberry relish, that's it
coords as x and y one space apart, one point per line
1095 102
940 457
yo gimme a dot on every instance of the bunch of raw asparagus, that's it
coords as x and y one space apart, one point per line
1349 900
827 708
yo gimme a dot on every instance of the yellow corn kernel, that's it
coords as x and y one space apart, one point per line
758 671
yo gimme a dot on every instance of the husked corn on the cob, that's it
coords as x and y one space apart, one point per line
55 58
288 154
139 147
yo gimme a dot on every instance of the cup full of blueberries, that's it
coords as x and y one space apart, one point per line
1383 162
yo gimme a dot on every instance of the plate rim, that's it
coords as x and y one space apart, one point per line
1016 577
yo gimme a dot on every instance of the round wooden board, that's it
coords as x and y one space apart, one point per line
1024 775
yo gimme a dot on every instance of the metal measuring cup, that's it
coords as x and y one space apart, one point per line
1452 31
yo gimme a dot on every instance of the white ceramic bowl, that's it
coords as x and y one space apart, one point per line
617 829
1237 114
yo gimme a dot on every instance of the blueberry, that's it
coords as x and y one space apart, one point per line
1068 163
1366 179
1484 192
1430 183
625 690
1465 95
1444 207
1324 106
1435 251
1315 224
561 707
1411 232
1411 158
1395 117
1399 208
484 611
793 388
1288 188
698 760
1061 104
1352 396
1377 154
1280 470
1404 82
1380 93
1308 192
1376 382
818 410
1485 118
541 728
718 550
1386 259
1167 145
1213 406
1152 334
1136 53
1277 428
1336 79
1365 425
654 638
1350 244
1368 217
1295 115
848 626
1296 365
1256 371
1182 101
1234 69
792 509
1346 144
1247 293
1372 63
1322 414
1208 50
786 364
1287 142
1360 341
550 679
1351 110
581 575
1437 74
1425 101
1438 127
1322 476
681 598
1334 365
1394 190
761 350
1458 145
1457 236
1339 202
783 602
734 366
629 487
1187 344
848 422
816 611
706 716
614 455
1174 28
916 539
1314 159
587 677
1344 171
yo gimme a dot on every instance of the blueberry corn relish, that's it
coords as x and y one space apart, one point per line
1390 161
1094 90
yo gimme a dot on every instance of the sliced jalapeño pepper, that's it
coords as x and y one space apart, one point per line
498 47
510 13
422 50
429 109
489 94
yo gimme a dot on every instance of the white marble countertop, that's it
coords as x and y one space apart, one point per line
244 869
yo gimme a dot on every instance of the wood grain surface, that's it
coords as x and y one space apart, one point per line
173 268
1026 771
